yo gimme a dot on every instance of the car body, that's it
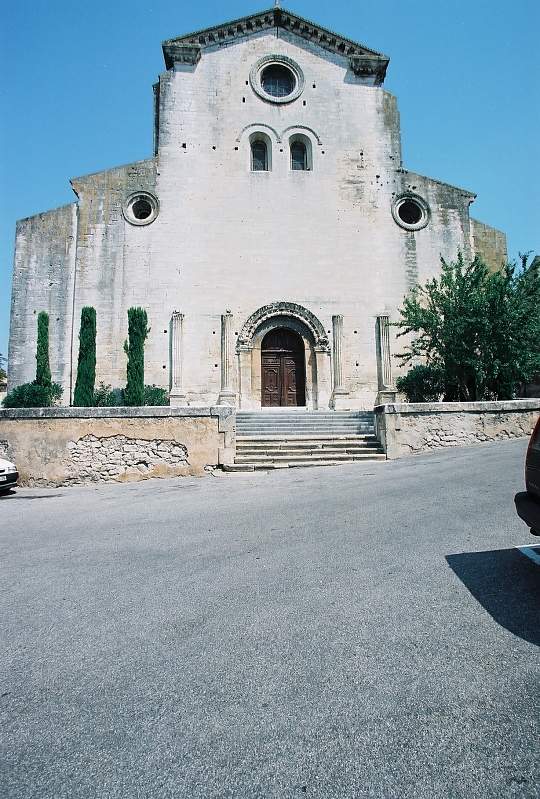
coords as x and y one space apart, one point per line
528 502
9 476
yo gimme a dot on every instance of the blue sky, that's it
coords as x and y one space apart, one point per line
77 96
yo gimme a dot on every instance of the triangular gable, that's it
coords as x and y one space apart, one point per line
363 61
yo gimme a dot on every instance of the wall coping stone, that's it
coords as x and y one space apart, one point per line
224 412
502 406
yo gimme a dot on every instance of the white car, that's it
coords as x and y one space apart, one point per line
9 475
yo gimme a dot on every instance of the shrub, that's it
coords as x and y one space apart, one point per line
154 395
107 397
86 368
43 369
33 395
134 348
422 383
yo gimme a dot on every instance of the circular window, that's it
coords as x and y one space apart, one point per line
141 208
277 79
411 212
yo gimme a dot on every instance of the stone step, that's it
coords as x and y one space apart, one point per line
303 417
301 411
266 446
303 420
301 439
330 423
295 432
308 443
286 455
258 467
281 439
312 417
308 457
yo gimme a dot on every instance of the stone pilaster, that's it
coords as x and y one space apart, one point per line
226 395
340 395
387 390
323 396
177 396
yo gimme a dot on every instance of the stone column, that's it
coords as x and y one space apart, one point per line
226 395
340 394
177 394
387 390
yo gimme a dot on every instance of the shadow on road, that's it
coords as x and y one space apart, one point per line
507 585
13 494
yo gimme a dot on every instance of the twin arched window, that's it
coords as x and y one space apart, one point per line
261 153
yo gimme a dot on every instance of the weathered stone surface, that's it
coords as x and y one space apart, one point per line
490 244
120 459
62 446
409 428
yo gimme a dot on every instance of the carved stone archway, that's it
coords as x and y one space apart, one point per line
320 339
305 323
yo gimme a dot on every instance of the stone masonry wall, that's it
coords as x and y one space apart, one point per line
411 428
117 457
66 446
43 280
490 244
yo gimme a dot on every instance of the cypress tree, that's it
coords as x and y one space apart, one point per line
43 369
137 333
86 368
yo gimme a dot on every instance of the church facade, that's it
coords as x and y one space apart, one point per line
270 238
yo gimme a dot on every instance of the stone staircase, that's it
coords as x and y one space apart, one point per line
277 439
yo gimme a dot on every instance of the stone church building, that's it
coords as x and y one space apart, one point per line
270 238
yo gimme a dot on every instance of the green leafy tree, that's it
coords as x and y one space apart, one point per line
43 369
86 368
3 374
479 330
137 332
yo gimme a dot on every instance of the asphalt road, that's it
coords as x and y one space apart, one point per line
356 631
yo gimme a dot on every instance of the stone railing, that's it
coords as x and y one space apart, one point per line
409 428
63 446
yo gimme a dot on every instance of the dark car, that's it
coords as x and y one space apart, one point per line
528 502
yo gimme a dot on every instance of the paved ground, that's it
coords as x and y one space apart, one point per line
354 631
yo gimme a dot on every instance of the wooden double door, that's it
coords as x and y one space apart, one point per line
283 373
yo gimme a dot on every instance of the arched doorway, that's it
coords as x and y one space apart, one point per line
283 371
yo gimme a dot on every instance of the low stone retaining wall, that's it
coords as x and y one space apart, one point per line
65 446
408 428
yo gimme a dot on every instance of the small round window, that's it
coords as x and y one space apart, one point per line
411 212
277 78
141 208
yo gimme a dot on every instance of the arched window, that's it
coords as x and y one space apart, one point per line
259 156
299 156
